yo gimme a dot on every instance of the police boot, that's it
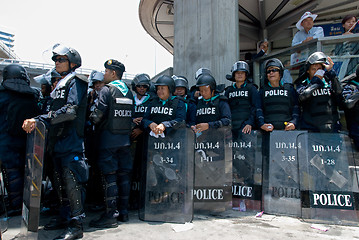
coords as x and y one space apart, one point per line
108 219
74 231
74 191
124 185
61 221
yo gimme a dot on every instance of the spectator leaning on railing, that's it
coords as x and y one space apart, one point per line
306 28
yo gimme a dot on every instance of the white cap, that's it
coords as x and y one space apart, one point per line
304 16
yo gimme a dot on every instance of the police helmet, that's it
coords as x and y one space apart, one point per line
95 76
54 75
206 80
15 72
73 56
180 81
202 71
165 80
317 57
275 62
238 66
142 79
45 78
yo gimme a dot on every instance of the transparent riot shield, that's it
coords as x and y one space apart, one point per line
168 182
213 171
35 147
329 184
281 192
247 171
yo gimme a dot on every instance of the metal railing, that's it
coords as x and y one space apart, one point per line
298 54
45 67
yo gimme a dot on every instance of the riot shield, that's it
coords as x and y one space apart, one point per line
329 186
213 171
247 171
281 193
166 189
138 159
35 147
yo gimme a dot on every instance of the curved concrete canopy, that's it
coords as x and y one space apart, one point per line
258 19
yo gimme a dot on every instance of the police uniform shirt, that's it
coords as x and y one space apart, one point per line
274 92
233 93
325 112
72 142
224 118
108 139
179 116
141 105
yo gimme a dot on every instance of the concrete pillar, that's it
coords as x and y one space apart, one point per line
206 35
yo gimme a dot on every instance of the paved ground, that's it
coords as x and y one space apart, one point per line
229 225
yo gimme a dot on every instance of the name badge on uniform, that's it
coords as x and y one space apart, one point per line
124 101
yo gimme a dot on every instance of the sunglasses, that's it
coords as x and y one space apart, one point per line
142 86
272 70
60 60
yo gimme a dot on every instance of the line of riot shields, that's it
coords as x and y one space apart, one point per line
294 173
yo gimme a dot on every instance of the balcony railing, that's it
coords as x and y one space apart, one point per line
343 49
45 67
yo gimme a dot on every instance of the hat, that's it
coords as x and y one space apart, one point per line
304 16
114 65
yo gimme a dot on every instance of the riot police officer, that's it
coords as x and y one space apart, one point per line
194 92
66 121
243 98
182 90
181 86
18 101
319 93
351 104
113 117
165 109
48 82
96 83
279 103
212 110
142 98
94 185
45 81
141 86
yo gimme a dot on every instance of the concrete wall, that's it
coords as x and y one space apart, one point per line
206 35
